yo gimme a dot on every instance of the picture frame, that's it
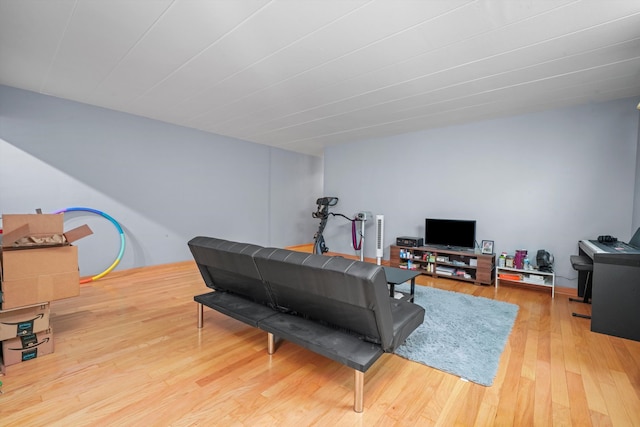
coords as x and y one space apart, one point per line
487 246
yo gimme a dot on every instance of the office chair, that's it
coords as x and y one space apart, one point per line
583 263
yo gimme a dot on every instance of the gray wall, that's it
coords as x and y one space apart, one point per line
163 183
543 180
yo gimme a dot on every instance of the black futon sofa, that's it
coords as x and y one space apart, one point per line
336 307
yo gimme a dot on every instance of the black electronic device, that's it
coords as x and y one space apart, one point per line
607 239
454 233
544 261
413 242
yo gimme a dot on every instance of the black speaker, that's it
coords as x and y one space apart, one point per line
607 239
544 260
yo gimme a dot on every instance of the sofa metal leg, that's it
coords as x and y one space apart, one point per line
271 343
200 313
358 391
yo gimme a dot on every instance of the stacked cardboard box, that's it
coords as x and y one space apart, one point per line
25 333
38 265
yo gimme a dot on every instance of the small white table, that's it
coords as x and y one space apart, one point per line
529 277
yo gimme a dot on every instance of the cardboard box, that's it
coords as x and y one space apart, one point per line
35 276
24 321
28 347
16 227
21 231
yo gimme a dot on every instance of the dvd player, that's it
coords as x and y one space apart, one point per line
413 242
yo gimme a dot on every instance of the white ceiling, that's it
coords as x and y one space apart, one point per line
305 74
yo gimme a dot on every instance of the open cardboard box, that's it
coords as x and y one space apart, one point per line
22 231
38 273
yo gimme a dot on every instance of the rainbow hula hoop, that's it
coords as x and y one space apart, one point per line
115 223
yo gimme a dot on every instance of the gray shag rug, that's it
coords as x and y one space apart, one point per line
462 334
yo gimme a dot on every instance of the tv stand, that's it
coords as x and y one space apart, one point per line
458 264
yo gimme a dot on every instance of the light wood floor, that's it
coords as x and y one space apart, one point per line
128 353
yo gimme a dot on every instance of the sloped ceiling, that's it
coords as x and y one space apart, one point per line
305 74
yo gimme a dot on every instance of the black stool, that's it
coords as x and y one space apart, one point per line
582 263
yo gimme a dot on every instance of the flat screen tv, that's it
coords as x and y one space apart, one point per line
453 233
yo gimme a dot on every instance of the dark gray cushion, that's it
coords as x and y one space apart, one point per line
345 293
329 342
581 263
229 267
240 308
407 316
